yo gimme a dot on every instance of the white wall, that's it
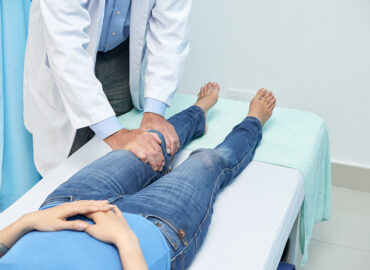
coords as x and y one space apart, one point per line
315 55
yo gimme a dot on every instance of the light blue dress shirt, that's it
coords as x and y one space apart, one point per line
116 29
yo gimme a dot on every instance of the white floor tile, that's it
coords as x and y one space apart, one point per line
351 201
350 222
326 256
343 243
345 229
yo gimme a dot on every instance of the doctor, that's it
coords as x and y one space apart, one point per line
89 61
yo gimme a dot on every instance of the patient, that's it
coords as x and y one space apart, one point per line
166 215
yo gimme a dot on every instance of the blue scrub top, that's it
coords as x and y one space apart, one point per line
77 250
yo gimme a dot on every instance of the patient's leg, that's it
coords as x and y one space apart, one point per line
120 172
181 203
207 98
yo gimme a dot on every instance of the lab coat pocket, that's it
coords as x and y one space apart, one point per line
50 101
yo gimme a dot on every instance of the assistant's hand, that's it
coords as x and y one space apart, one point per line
55 218
157 122
145 145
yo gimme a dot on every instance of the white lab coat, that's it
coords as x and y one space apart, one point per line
61 92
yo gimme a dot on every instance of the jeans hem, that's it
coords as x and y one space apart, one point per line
203 119
255 120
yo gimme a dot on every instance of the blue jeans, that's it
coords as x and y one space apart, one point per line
179 203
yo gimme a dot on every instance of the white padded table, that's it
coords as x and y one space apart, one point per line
252 218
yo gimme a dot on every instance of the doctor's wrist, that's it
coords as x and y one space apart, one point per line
114 139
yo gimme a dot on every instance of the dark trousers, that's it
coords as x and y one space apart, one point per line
112 70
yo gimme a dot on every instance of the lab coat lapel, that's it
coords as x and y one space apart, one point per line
96 10
138 22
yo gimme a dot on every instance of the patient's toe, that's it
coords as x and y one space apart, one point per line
261 92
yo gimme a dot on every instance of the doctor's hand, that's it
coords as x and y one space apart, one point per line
157 122
145 145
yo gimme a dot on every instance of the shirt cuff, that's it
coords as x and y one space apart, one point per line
107 127
155 106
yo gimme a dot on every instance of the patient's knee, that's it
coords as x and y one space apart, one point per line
210 158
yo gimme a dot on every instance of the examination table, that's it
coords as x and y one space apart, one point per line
256 215
250 236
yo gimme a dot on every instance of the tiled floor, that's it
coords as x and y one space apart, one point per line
343 243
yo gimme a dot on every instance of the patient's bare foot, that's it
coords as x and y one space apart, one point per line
207 97
262 105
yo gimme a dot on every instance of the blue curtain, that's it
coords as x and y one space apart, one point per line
18 173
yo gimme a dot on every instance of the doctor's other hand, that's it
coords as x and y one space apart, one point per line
145 145
157 122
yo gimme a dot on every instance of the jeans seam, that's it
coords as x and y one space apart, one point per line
182 261
209 205
202 119
164 232
204 218
180 131
252 148
107 176
196 242
254 119
150 179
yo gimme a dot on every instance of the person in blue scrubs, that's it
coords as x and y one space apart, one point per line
165 217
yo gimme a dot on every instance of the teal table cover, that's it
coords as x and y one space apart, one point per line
291 138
